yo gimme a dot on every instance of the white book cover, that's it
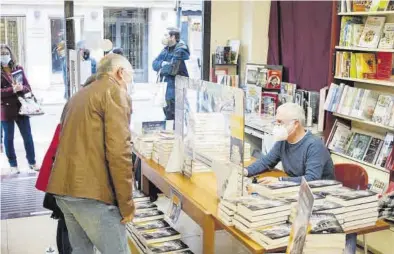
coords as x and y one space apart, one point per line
372 32
387 39
330 96
382 110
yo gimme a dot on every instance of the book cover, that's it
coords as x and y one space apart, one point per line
355 112
145 205
325 205
323 183
17 77
387 39
358 146
253 99
371 98
330 96
163 247
269 103
313 102
324 224
384 65
352 195
276 232
256 74
153 224
147 214
346 29
274 77
386 150
372 32
366 65
373 150
264 204
235 46
382 110
379 5
158 234
357 30
359 6
287 92
281 185
340 138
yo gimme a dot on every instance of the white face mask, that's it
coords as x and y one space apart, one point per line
281 133
5 59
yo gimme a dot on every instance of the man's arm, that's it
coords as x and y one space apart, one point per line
118 147
173 67
314 164
156 65
266 161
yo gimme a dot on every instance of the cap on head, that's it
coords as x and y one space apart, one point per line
291 111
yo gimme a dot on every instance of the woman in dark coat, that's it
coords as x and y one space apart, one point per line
10 105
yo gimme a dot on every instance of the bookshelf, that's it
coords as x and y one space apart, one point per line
364 49
361 162
381 86
366 13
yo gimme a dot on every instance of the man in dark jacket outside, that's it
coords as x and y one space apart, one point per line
171 62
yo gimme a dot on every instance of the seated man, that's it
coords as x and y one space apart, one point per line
301 153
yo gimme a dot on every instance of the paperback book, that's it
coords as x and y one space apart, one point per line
167 247
147 215
159 235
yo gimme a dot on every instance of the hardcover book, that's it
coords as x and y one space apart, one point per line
159 235
325 223
167 247
147 215
372 32
153 224
382 110
387 40
373 150
358 146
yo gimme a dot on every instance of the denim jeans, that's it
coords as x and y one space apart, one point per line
92 223
351 244
23 123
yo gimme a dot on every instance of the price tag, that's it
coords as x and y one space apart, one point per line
175 207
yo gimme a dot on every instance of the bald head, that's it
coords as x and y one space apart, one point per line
116 66
291 111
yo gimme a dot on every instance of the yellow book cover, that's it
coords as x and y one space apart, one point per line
366 65
353 66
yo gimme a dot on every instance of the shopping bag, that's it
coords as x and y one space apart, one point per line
160 94
29 105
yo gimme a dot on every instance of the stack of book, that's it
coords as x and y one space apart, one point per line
144 145
362 147
325 236
209 136
162 149
263 211
353 208
150 233
276 189
272 237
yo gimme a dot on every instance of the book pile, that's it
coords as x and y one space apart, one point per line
362 147
276 189
353 208
325 236
272 237
150 233
144 145
162 148
260 212
209 136
386 207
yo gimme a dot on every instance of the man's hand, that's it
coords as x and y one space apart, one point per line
246 173
164 63
268 180
128 219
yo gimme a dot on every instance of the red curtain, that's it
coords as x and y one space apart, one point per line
299 39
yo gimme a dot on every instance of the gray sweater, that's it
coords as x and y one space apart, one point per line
309 157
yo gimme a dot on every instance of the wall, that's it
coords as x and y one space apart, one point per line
244 20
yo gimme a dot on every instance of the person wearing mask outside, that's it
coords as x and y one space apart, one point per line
169 63
93 187
10 106
86 57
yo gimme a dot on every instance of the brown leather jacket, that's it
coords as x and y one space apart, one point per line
93 158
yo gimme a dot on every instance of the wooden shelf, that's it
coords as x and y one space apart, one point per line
361 162
364 49
369 81
364 121
366 13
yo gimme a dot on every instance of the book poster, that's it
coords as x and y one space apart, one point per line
17 77
175 206
300 226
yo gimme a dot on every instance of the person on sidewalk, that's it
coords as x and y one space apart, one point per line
170 63
10 105
92 173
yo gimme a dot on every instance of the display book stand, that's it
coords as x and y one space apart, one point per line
382 86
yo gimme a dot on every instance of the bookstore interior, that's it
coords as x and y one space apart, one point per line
237 119
292 153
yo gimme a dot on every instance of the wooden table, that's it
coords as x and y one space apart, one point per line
200 202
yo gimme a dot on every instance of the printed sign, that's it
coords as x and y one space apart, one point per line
175 207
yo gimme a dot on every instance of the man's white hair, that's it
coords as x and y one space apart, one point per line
112 62
293 111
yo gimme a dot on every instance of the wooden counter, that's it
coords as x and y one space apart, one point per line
200 202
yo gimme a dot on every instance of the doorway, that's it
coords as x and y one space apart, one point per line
12 30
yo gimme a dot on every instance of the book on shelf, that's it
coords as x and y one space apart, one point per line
159 235
384 65
349 27
359 6
387 39
265 76
373 150
235 46
253 99
368 104
147 215
355 197
387 148
379 5
287 92
174 246
372 31
339 137
269 103
273 236
358 145
383 108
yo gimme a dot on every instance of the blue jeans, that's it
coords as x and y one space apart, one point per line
351 244
93 223
23 123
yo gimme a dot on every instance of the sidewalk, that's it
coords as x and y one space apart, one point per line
54 95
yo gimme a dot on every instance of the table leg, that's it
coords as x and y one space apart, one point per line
365 244
208 240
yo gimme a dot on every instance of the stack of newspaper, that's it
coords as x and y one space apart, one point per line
150 232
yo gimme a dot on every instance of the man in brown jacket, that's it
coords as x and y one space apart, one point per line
92 173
